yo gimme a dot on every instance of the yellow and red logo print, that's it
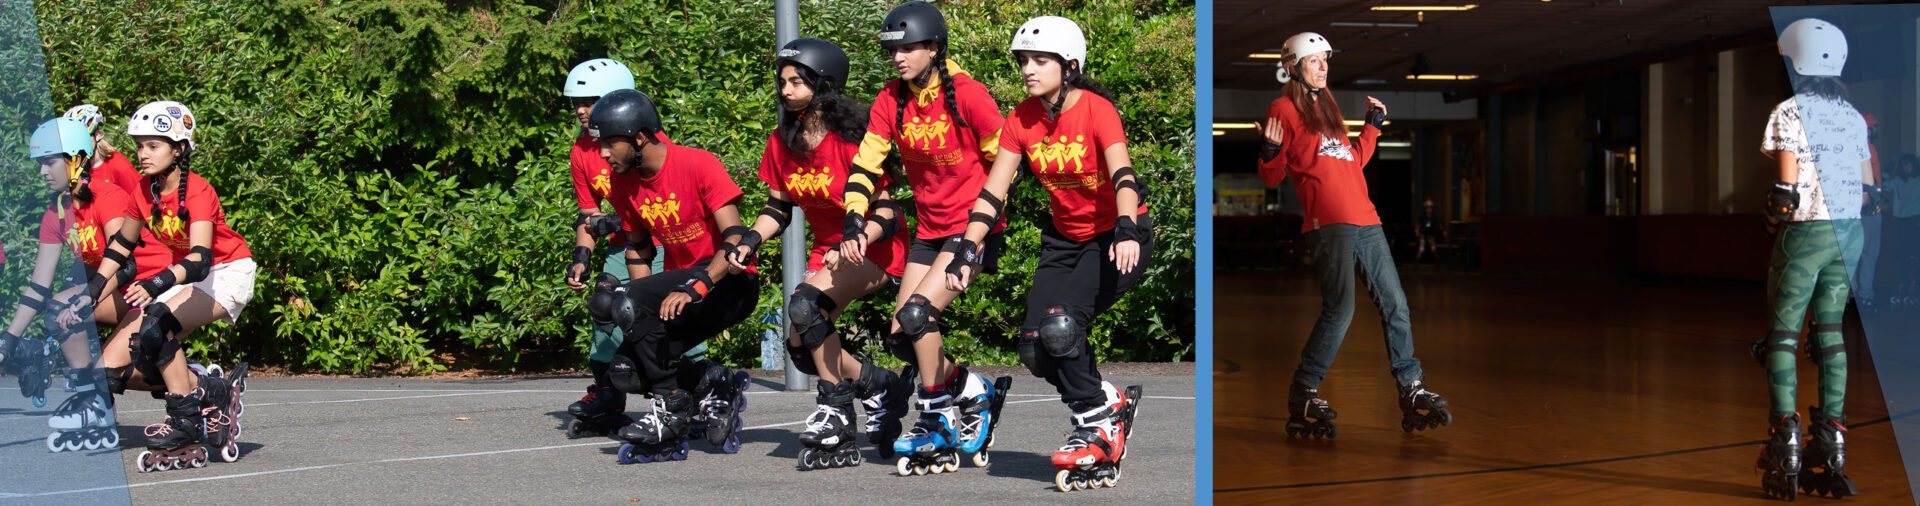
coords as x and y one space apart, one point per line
168 228
602 183
84 238
921 133
812 184
1052 156
663 219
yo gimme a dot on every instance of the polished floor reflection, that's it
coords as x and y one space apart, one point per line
1563 390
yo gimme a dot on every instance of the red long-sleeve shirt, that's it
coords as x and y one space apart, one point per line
1327 171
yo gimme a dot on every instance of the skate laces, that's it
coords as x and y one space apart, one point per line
592 393
822 418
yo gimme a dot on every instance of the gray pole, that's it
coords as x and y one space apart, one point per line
793 251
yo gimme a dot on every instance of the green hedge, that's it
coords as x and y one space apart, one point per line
399 166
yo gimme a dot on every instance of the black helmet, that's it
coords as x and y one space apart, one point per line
913 22
623 113
822 57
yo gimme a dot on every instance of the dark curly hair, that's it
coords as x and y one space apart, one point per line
842 116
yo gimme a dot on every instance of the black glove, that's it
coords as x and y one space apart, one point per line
1125 229
581 255
1876 198
603 225
159 283
1377 117
966 255
697 286
747 251
855 227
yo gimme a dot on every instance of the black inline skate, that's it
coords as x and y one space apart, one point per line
1824 463
600 413
221 410
176 442
1779 462
885 396
1309 416
829 440
1422 409
661 435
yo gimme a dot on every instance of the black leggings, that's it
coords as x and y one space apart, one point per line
658 346
1078 277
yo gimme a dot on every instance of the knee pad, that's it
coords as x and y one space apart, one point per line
117 379
1063 336
624 374
1815 351
917 317
609 305
1779 340
156 342
807 310
802 360
1029 347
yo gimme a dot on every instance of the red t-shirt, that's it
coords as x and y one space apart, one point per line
203 203
676 205
947 166
117 171
1326 170
593 178
817 184
1066 155
85 231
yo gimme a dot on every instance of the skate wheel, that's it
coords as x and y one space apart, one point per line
39 401
230 453
1446 418
806 459
198 462
90 444
53 442
625 455
951 466
1110 481
980 459
904 467
732 444
924 470
1061 480
143 462
1407 426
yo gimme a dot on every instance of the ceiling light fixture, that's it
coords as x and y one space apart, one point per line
1442 77
1425 8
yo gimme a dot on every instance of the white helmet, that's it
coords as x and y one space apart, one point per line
596 78
1815 47
1052 34
88 115
1299 46
165 118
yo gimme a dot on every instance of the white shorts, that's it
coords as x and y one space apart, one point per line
230 284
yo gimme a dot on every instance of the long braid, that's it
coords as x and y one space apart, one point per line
900 108
946 86
185 163
1060 99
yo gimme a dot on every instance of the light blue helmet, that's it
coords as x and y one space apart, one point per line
596 78
60 136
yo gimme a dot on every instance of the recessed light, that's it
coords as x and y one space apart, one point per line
1425 8
1443 77
1233 126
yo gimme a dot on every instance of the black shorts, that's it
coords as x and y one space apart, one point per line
924 251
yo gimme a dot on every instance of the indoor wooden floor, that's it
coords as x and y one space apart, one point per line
1563 391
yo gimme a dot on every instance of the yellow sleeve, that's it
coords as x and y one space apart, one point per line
865 176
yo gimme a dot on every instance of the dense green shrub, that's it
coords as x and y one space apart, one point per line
399 166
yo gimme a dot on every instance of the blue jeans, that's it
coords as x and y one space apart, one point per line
1337 249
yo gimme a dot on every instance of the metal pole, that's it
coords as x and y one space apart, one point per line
793 252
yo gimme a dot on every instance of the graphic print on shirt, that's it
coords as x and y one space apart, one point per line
921 137
602 182
1336 148
812 187
84 238
1051 158
665 221
168 228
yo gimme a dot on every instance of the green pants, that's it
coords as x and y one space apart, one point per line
1809 268
605 341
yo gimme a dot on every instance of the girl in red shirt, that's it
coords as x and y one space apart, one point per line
947 128
1096 246
108 164
683 197
210 278
807 162
1306 138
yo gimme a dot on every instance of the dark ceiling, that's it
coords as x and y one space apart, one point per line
1504 42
